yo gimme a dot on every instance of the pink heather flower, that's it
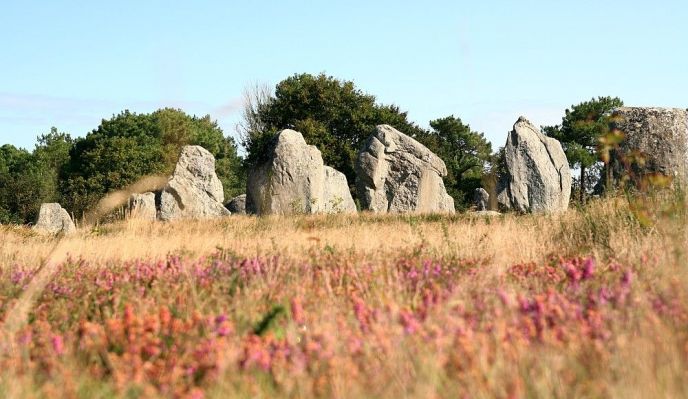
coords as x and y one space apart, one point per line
196 393
627 279
26 338
588 268
58 344
408 320
605 294
573 273
17 277
361 312
297 311
524 304
426 268
438 270
504 297
224 329
412 275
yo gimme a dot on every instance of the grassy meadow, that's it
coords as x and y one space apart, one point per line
588 303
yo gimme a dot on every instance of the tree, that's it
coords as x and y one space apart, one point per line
580 131
51 154
467 154
331 114
129 146
24 185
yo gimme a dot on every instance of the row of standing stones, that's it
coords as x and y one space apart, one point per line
395 173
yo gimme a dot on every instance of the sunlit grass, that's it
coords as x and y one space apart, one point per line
588 303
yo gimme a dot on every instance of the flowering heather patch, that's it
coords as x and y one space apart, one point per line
588 303
342 325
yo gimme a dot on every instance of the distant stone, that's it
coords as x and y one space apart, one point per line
142 206
237 205
53 219
294 180
660 134
194 191
395 173
537 178
481 199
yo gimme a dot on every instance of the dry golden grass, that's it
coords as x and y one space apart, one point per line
604 229
353 277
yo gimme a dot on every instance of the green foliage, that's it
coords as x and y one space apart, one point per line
581 129
129 146
269 319
467 154
29 179
331 114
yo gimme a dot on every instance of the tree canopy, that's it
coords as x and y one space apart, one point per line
467 154
29 179
579 133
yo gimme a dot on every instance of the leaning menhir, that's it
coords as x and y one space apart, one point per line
660 134
194 190
395 173
537 177
53 219
293 179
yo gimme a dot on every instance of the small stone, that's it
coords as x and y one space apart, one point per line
481 199
142 206
237 205
53 219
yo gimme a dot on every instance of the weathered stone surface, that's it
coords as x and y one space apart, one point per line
660 134
237 205
194 190
481 199
538 178
395 173
294 180
336 195
53 219
142 206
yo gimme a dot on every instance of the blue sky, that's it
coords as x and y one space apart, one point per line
69 64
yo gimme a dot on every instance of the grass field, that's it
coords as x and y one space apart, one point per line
589 303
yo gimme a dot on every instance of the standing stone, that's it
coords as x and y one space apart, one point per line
537 178
395 173
53 219
481 199
142 206
336 194
294 180
237 205
660 134
194 190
